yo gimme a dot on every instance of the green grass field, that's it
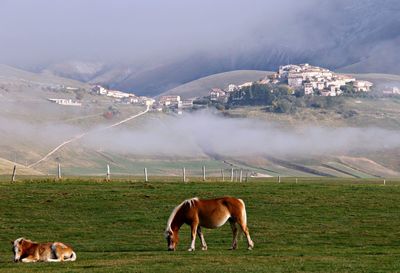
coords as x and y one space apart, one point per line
317 225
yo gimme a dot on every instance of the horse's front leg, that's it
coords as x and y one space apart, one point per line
29 259
201 236
193 228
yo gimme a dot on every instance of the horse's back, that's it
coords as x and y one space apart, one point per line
215 212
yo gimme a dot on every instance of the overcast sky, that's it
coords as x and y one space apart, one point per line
52 30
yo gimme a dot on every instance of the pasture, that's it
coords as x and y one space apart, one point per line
317 225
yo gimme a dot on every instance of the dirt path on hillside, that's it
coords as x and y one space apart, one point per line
75 138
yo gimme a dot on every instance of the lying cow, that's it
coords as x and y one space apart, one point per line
27 251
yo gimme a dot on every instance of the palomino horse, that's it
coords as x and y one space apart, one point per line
27 251
211 213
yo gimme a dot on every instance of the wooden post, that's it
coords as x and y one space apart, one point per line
247 176
14 173
204 173
384 182
279 179
231 174
145 175
59 171
236 175
223 175
108 173
241 176
296 180
184 174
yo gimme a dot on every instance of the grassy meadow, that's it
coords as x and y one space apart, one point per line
315 225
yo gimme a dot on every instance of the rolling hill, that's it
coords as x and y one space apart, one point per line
9 74
202 86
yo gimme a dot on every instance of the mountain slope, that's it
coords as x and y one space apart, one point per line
12 74
201 87
355 36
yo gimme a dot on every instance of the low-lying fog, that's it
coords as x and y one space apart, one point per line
207 133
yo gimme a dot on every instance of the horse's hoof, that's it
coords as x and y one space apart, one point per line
250 248
191 249
204 248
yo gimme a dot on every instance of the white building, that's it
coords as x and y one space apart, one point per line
392 91
146 101
308 89
246 84
67 102
187 103
362 86
100 90
118 94
170 100
217 94
295 80
232 88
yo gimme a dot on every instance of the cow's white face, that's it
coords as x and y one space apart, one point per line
17 249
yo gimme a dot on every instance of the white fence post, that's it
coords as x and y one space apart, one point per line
108 175
59 171
14 173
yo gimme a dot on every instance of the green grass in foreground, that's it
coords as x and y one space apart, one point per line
324 226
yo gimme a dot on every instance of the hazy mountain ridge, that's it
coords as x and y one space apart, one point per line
361 37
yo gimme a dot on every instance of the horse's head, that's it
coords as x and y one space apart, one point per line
172 239
17 248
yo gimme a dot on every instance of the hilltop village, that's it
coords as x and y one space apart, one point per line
278 91
301 80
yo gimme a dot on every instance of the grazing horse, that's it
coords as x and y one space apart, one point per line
27 251
211 213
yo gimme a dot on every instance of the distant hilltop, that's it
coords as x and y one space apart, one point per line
312 80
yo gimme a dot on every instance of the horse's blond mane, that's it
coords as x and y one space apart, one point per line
20 239
176 209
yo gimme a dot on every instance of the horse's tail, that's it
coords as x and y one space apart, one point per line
244 214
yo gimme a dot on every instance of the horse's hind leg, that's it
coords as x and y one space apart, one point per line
245 230
201 236
235 233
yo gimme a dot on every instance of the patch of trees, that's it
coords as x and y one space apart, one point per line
259 94
280 99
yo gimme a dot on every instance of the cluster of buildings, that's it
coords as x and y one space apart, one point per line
172 102
314 80
163 103
122 97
